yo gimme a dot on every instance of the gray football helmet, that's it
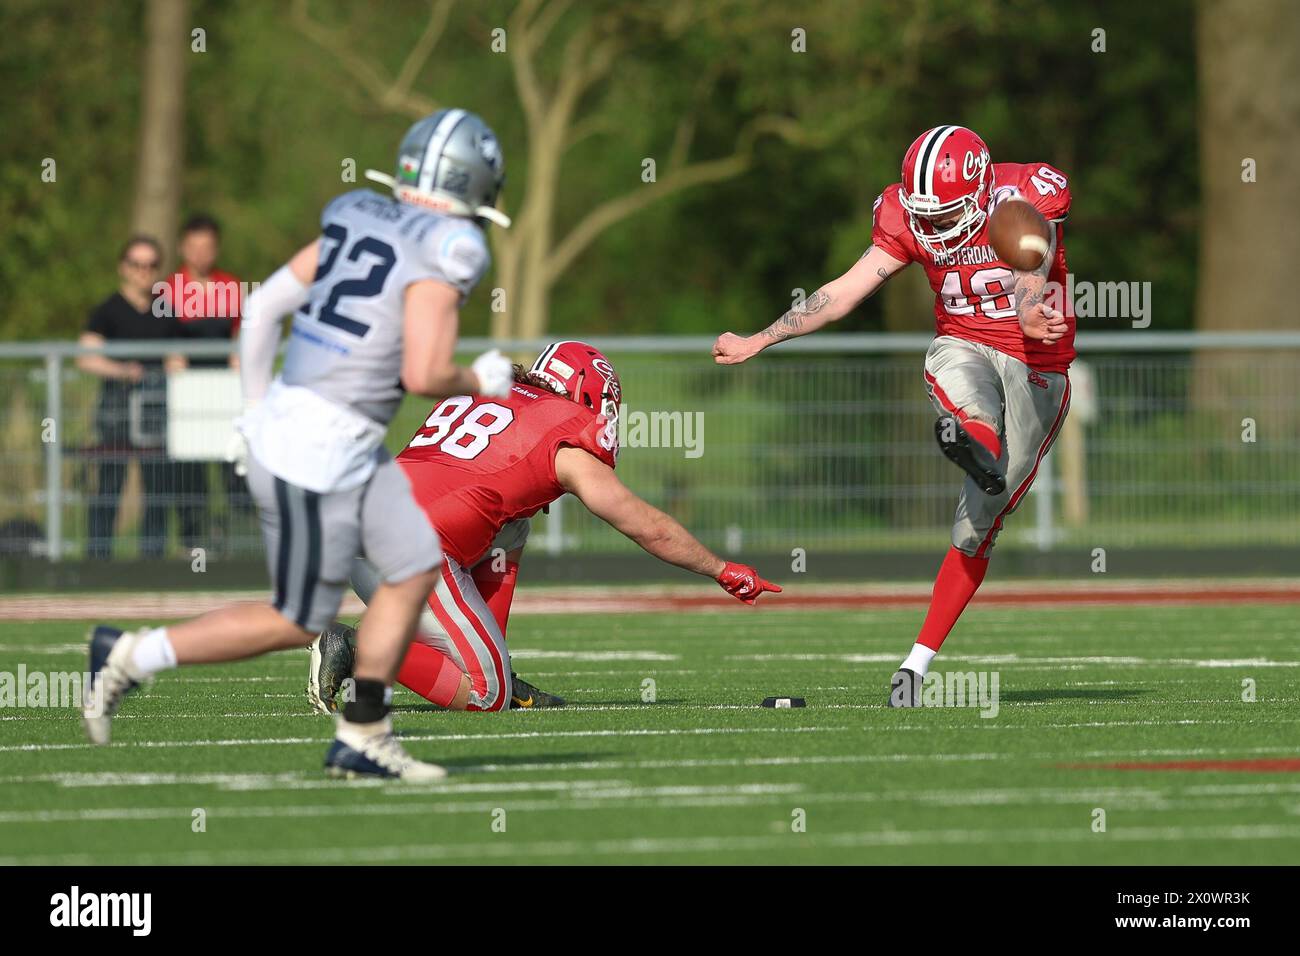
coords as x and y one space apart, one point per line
450 161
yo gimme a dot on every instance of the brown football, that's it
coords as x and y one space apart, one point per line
1019 234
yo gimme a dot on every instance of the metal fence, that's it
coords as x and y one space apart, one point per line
1175 440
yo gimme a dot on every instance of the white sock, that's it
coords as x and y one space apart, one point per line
153 653
919 659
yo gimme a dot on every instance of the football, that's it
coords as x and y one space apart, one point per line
1019 234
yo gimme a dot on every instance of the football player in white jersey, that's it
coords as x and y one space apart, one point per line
375 303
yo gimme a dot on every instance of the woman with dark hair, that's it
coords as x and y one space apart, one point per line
131 418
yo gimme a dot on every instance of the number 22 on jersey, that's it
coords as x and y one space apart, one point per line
459 435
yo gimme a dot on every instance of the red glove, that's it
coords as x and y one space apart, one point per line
743 583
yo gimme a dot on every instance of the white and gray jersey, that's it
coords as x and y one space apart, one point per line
346 342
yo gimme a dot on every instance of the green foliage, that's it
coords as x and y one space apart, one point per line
272 117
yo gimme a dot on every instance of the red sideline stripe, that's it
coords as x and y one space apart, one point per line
982 550
849 602
1266 765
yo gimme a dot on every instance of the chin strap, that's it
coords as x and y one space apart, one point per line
409 194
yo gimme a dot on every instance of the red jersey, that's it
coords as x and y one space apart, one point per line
478 463
972 286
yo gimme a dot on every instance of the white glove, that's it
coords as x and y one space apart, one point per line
237 447
495 374
237 453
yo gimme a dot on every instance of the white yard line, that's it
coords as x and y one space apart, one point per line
668 846
433 738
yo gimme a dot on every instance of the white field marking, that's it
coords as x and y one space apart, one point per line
622 798
668 846
525 653
1022 659
296 778
587 798
1002 725
180 678
648 672
428 738
45 648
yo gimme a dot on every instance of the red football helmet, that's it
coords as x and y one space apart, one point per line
585 375
947 173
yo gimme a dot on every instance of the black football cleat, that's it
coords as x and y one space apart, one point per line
524 696
905 689
969 455
332 657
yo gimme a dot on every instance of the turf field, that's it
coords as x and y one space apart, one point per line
703 774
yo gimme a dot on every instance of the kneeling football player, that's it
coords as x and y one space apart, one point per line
479 468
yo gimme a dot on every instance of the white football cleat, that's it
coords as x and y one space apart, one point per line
112 677
372 750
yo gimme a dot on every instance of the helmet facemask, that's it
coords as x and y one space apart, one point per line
972 210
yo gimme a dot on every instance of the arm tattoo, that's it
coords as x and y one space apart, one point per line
1031 287
792 323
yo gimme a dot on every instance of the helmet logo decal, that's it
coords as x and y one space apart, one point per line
971 166
408 168
455 181
489 150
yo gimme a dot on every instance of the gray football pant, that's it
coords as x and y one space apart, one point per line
312 538
1026 407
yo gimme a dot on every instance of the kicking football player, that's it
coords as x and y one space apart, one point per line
376 303
480 467
997 372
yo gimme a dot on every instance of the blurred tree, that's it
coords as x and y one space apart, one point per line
1247 51
569 70
159 162
276 116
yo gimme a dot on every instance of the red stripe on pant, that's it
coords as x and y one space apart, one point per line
477 679
502 696
948 404
982 550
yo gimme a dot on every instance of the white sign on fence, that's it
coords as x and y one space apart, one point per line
202 405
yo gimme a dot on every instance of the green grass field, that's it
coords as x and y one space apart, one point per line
703 774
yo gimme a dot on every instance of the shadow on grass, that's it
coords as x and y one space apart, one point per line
1072 693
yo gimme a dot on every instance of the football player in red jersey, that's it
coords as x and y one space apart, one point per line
480 467
998 369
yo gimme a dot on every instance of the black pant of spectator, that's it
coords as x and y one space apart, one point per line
189 492
108 494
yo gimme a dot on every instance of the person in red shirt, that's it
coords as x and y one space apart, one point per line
206 300
206 303
480 467
998 369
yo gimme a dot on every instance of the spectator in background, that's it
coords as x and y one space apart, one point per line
131 418
206 301
204 298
